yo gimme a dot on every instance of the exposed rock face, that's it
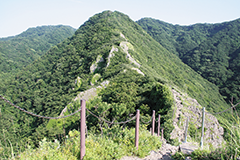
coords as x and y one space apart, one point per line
91 93
94 66
88 94
124 46
187 148
111 54
139 71
122 36
188 107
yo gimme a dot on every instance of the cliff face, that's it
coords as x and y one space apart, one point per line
188 107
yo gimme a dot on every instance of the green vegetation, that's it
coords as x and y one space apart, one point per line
95 78
97 147
51 82
212 50
19 51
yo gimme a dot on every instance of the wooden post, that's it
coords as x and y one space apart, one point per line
83 124
158 131
153 122
203 116
137 129
186 129
162 133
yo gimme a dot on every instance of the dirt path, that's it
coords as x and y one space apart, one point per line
165 152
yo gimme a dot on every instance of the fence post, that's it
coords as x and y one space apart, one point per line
158 125
153 122
186 129
137 128
203 116
83 124
162 133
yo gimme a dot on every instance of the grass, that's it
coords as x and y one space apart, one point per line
113 144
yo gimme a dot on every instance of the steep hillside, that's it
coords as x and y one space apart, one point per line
159 63
109 46
210 49
19 51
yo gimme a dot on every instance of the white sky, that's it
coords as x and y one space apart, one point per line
17 16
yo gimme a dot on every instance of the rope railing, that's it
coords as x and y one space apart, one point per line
60 117
36 115
233 106
137 117
123 122
141 119
203 119
46 117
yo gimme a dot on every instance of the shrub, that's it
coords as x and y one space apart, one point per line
113 144
46 151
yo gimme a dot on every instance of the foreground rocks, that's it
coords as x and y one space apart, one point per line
164 153
187 148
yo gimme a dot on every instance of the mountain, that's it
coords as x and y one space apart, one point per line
108 47
18 51
212 50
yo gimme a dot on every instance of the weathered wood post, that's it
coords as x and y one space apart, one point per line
153 122
82 127
137 128
158 132
186 129
162 133
203 117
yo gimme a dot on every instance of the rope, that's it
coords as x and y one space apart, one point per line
224 110
146 122
36 115
123 122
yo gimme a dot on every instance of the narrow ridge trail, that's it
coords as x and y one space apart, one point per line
165 152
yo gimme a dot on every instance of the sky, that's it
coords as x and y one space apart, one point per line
17 16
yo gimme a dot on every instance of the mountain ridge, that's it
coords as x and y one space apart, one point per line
51 82
210 49
18 51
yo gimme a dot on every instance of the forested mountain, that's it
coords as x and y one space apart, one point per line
109 46
21 50
212 50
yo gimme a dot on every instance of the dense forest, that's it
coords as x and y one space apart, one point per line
212 50
18 51
117 46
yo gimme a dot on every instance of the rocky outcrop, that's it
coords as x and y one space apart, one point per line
95 66
188 107
111 54
164 153
88 94
139 71
125 47
187 148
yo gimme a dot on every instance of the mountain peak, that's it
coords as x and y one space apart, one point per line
108 47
